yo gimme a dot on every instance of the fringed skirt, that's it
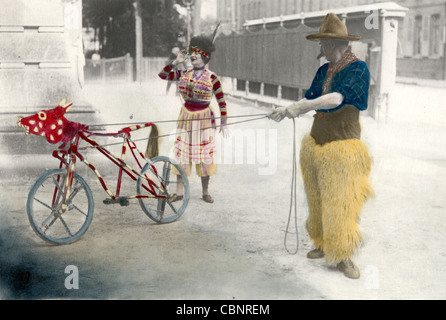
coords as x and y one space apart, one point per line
195 141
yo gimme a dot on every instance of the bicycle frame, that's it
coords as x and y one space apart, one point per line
68 157
60 204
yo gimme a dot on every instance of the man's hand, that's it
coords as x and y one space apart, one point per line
277 114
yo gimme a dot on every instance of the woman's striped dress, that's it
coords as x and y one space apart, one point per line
196 129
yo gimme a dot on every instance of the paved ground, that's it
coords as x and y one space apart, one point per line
234 249
124 255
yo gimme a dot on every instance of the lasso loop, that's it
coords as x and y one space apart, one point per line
293 196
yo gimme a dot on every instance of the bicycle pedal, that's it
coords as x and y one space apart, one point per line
108 201
124 202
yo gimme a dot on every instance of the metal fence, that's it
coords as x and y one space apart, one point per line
122 69
115 69
152 67
277 62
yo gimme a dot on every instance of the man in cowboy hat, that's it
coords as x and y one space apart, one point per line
335 164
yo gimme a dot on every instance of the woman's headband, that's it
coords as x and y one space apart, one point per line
198 50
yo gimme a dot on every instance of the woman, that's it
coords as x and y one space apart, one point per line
335 164
195 142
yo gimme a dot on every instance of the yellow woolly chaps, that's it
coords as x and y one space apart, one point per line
336 181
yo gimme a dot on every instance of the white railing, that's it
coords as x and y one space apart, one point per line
121 69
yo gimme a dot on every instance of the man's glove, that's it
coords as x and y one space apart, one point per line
277 114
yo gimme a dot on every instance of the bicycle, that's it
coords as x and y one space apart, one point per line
60 203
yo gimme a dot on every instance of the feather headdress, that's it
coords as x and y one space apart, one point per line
204 45
215 34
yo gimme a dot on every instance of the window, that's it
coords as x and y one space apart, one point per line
244 13
228 13
280 7
298 5
417 35
306 6
435 36
408 35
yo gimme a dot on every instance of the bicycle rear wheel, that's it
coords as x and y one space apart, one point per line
56 218
162 210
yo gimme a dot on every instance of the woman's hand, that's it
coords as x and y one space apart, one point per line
223 129
181 57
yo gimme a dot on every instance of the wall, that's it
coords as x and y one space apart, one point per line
41 62
38 55
424 8
421 68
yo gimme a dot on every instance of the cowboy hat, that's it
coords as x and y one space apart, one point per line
332 28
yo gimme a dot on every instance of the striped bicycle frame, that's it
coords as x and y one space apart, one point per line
68 158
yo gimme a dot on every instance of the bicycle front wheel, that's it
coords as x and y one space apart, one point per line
58 215
159 208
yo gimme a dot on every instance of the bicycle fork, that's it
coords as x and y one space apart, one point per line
64 190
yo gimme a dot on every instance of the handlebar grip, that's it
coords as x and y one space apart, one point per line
135 128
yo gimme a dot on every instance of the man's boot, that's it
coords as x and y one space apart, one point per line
315 254
349 269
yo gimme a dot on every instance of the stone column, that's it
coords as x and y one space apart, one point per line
387 68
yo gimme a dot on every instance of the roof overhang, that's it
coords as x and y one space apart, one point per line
385 9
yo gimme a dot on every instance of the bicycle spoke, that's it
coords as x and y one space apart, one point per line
43 203
75 207
44 222
51 223
162 210
74 193
56 183
47 227
171 206
154 173
59 189
51 209
66 226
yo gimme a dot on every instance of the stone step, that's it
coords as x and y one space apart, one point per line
33 47
38 87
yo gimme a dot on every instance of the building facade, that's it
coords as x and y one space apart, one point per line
422 33
236 12
41 62
422 40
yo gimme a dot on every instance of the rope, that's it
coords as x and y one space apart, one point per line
238 122
293 196
263 116
169 121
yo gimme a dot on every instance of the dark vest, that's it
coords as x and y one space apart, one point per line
338 125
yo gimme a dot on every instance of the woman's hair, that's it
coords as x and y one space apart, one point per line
204 44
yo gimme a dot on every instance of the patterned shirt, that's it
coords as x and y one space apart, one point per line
352 82
197 93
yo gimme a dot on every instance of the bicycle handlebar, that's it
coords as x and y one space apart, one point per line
127 130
